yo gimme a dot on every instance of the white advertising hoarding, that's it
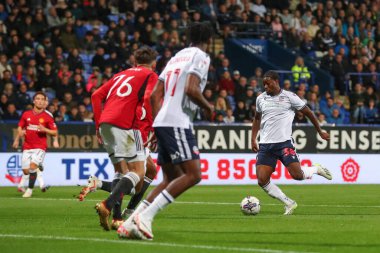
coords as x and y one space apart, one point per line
217 169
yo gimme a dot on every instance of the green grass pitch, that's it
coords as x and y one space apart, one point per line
329 218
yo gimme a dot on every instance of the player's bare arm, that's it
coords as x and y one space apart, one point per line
193 90
47 130
255 130
310 115
20 133
156 97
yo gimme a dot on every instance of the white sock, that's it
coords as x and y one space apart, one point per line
99 184
159 203
309 171
143 205
24 178
275 192
40 179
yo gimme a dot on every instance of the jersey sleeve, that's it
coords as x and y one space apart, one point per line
258 105
22 122
200 65
97 98
51 124
296 101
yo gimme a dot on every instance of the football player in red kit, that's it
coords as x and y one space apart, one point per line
37 124
117 128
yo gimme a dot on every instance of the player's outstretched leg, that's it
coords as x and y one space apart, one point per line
323 171
93 183
263 175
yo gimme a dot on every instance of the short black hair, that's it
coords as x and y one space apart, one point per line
272 75
145 55
200 32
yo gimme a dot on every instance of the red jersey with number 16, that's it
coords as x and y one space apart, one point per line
121 96
30 120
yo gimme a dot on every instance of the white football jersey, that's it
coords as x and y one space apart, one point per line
177 109
277 114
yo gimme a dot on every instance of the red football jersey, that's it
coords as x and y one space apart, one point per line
121 96
144 110
33 137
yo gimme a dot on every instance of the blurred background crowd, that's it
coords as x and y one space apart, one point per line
70 48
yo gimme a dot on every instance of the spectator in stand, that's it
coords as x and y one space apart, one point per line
4 65
258 8
338 71
241 88
359 112
300 71
94 80
249 97
327 108
74 61
22 98
322 119
11 113
236 77
98 59
313 103
369 95
286 16
61 115
307 46
371 113
225 67
229 118
303 7
221 106
287 85
342 44
328 60
226 83
336 117
85 115
241 112
74 114
277 28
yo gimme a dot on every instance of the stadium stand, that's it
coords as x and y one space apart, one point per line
337 40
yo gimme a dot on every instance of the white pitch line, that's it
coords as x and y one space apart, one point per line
161 244
195 202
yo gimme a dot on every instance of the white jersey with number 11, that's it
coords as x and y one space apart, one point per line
177 109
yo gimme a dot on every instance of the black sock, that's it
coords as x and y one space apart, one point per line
117 207
32 179
106 186
138 196
124 186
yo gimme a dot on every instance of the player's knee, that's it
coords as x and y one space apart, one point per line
262 180
151 171
296 175
195 177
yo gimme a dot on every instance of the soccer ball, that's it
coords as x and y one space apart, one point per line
250 205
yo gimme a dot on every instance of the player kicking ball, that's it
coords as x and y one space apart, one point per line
274 117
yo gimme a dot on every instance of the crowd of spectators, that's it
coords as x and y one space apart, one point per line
69 48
